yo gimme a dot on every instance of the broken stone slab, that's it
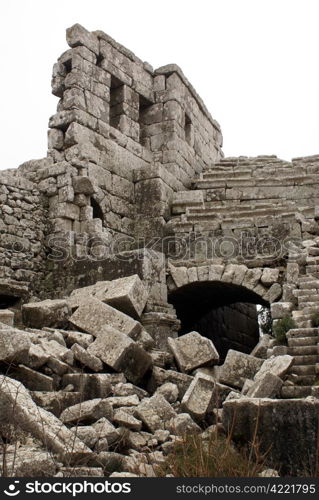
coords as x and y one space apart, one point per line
27 461
121 353
80 472
14 345
59 367
182 425
37 357
155 412
123 418
260 350
192 351
50 313
267 386
118 401
287 429
197 399
56 401
160 376
276 365
17 407
86 358
94 315
7 317
128 295
76 36
237 367
54 349
33 380
87 411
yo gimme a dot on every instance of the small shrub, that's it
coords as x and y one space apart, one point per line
283 326
215 457
315 320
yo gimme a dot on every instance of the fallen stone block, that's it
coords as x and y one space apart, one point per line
86 433
83 339
237 367
169 391
17 407
192 351
87 411
59 367
160 376
51 313
14 345
56 401
123 418
182 425
155 412
121 353
286 429
54 349
26 461
118 401
94 315
129 390
276 365
37 356
128 295
260 350
76 36
81 472
197 399
106 430
266 386
7 317
92 385
86 358
33 380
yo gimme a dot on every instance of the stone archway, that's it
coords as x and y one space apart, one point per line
219 301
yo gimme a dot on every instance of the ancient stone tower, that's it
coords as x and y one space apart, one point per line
135 182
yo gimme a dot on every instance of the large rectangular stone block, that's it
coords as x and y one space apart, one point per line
198 396
237 367
94 315
192 351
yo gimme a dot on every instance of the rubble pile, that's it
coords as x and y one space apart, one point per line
85 383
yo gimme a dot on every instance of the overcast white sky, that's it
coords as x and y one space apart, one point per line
254 62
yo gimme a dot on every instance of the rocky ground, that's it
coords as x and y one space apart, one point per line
84 391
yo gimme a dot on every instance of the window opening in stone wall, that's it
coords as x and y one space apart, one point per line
116 107
188 129
145 119
97 211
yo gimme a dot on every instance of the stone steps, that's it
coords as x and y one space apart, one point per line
303 332
303 350
307 360
303 369
299 391
302 342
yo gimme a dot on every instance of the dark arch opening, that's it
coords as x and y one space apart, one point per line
7 301
223 312
97 211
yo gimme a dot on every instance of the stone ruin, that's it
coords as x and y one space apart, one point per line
132 260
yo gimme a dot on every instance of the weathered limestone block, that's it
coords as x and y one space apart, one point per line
274 293
267 386
87 358
17 407
155 412
127 295
281 309
121 353
87 411
160 376
34 380
125 419
83 185
57 401
260 350
94 315
48 313
14 344
169 391
237 367
192 351
287 429
83 339
276 365
198 396
7 317
76 35
183 425
129 390
106 430
269 276
93 385
86 433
